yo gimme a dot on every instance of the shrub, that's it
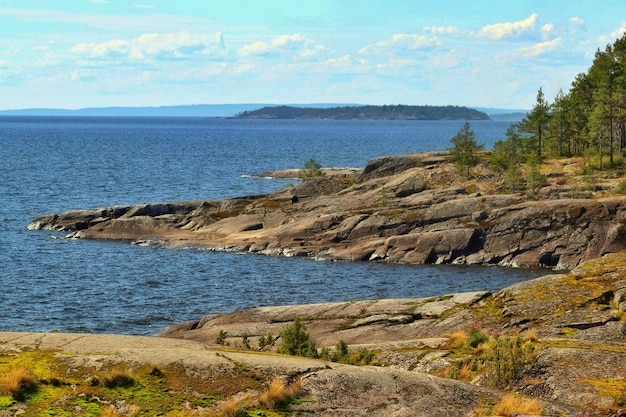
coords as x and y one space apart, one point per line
297 342
117 378
513 405
476 337
221 338
507 359
266 342
311 169
245 341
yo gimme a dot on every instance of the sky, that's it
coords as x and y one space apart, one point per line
98 53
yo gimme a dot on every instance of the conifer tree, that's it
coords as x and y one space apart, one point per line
464 148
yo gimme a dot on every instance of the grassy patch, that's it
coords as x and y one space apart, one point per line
611 387
63 388
514 405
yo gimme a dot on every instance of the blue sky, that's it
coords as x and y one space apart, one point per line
97 53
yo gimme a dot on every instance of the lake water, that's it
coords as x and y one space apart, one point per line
59 164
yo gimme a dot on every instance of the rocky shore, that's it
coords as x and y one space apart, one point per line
574 324
559 340
408 209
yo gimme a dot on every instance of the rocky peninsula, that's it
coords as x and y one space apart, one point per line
555 345
407 209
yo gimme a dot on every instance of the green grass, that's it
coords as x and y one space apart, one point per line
65 389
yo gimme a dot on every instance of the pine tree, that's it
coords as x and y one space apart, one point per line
464 148
536 122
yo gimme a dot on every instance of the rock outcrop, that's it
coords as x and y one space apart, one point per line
577 319
408 209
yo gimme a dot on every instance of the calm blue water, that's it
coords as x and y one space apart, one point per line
59 164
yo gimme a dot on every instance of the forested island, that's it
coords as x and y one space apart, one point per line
386 112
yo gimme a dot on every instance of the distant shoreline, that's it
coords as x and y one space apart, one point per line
198 110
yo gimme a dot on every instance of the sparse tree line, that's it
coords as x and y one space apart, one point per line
589 122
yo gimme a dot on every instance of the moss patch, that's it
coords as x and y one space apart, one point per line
67 389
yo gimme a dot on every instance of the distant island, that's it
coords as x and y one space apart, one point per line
386 112
271 110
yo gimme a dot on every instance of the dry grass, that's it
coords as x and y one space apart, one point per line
231 407
456 339
531 335
512 405
17 382
109 412
278 393
465 373
118 378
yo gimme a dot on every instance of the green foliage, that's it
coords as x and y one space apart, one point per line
221 338
621 187
341 349
508 152
534 177
245 341
266 342
296 341
383 196
476 337
311 169
591 115
506 359
342 355
513 180
464 148
535 124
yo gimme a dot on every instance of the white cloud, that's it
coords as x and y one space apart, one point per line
611 37
540 48
508 29
577 21
289 41
115 47
179 45
402 43
442 30
256 48
295 46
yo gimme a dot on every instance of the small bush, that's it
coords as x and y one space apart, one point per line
117 378
513 405
221 338
507 359
266 342
476 337
18 382
311 169
245 341
297 342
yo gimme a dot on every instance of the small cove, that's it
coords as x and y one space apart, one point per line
60 164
